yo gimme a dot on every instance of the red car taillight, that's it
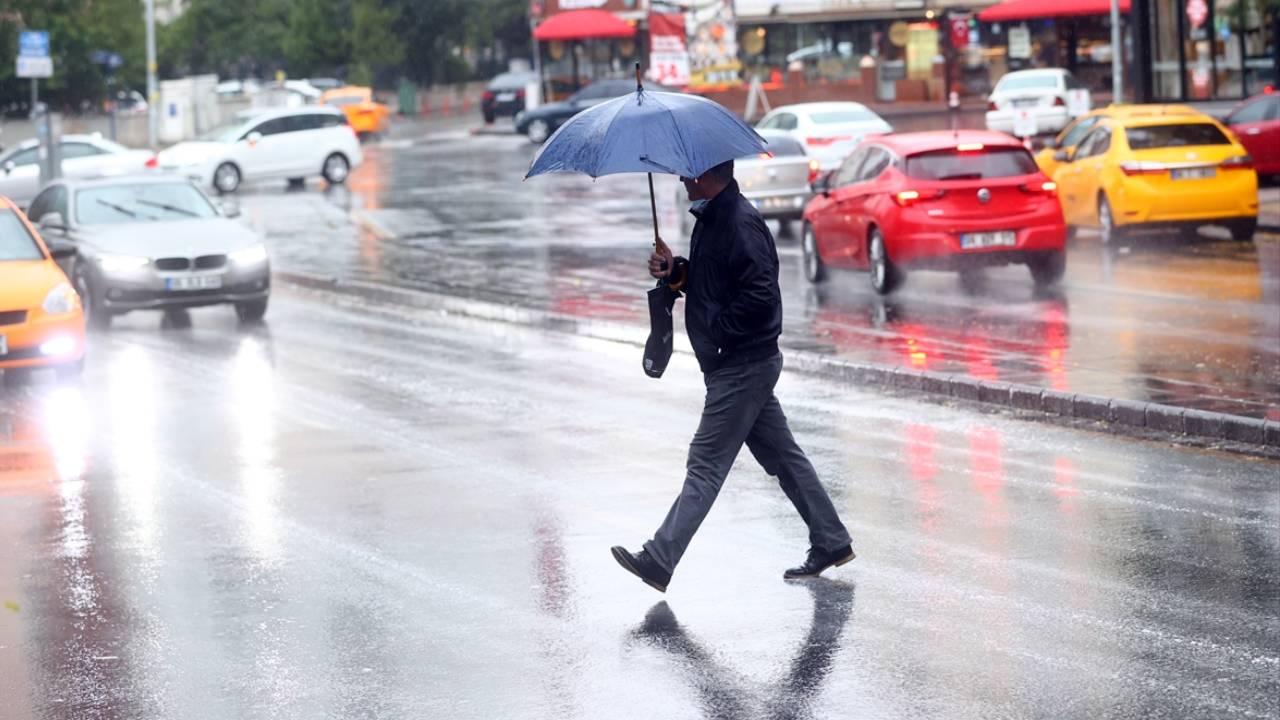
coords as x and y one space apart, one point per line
1239 162
152 162
1142 168
1059 102
907 198
991 105
487 96
1041 188
815 171
824 141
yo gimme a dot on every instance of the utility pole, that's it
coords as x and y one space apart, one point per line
1117 60
153 97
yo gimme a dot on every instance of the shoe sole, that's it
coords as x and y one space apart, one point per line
625 561
835 563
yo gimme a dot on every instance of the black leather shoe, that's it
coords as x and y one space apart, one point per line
642 566
819 560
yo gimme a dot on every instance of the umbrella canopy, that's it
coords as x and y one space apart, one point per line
648 132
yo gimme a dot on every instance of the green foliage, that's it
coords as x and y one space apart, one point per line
427 41
318 41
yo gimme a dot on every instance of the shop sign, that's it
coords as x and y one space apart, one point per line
668 54
712 30
898 34
1019 42
922 48
1197 12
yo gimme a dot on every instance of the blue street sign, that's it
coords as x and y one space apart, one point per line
103 57
33 43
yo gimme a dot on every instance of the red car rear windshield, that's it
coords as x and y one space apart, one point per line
971 165
1179 135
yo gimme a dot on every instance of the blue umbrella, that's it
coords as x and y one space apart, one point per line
648 132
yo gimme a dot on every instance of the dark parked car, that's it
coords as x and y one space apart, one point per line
541 121
504 97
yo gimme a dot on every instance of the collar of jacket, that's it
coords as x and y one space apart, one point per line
722 199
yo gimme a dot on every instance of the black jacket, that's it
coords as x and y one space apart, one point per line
733 308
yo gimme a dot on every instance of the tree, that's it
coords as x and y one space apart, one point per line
375 43
319 37
232 38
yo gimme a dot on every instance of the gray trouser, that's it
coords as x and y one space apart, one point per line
741 408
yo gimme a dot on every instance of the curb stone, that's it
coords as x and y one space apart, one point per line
1106 411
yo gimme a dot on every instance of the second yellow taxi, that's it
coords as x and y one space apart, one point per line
1153 172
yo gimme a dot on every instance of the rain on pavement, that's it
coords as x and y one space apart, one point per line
1162 319
359 511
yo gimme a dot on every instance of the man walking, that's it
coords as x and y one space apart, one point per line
733 314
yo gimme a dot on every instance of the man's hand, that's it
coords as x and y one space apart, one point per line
661 261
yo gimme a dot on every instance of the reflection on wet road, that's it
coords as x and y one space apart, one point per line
362 512
1195 324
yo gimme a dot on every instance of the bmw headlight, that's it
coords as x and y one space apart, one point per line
117 263
60 300
252 255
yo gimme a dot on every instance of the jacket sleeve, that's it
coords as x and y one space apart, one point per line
753 269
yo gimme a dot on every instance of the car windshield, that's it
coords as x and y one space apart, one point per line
1078 131
1180 135
511 81
16 242
230 132
1043 81
143 202
981 165
835 117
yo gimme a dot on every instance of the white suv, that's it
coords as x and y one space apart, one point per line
293 143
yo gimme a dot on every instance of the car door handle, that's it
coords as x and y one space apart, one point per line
1253 131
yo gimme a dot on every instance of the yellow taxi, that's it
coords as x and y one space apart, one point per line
365 115
1147 172
41 322
1075 131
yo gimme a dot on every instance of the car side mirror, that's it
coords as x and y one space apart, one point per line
61 250
230 209
1063 156
52 222
823 184
253 137
9 166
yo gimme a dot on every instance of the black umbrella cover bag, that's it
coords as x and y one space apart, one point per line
657 350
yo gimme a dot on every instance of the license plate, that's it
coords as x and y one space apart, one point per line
193 282
4 345
1000 238
505 97
1192 173
1029 102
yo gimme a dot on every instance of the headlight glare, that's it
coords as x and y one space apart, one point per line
251 255
60 300
58 347
116 263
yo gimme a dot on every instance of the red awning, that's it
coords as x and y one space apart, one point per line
1045 9
583 25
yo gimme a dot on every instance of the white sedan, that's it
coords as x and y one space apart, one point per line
83 156
829 131
1032 102
294 144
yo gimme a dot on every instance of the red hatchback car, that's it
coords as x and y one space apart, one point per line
1257 123
935 200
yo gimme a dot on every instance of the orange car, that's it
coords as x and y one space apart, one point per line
41 323
366 115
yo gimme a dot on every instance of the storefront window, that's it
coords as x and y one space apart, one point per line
1166 50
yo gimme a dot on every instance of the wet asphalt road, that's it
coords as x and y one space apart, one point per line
360 512
1194 324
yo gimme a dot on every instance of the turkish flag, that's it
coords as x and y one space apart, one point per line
959 33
